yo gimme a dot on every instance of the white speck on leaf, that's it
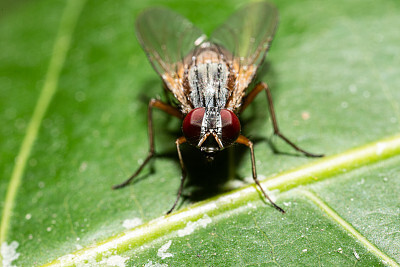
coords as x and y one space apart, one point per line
28 216
114 260
130 223
304 250
162 252
191 226
9 253
356 255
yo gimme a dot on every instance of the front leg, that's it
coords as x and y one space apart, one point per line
250 97
245 141
179 142
154 103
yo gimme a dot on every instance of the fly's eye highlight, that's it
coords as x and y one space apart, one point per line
191 126
230 127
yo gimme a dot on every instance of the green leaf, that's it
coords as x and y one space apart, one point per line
74 86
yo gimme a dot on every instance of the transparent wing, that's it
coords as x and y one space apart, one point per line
167 38
248 33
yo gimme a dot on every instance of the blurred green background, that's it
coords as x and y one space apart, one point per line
334 73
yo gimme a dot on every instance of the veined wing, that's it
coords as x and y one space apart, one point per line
247 34
167 39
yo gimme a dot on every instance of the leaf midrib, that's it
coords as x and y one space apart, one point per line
309 173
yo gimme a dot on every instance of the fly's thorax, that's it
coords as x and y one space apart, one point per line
211 129
208 84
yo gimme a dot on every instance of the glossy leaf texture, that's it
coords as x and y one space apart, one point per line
74 88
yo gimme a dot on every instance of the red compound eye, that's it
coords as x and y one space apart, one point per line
191 126
230 127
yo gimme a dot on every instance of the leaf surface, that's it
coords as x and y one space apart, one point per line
74 87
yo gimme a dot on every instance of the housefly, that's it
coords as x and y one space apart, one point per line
209 77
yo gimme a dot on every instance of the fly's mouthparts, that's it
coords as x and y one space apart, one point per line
210 142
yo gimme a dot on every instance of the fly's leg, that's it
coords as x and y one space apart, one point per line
250 97
244 141
178 142
154 103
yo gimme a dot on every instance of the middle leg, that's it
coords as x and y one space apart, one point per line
154 103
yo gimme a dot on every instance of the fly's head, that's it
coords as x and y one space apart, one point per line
211 129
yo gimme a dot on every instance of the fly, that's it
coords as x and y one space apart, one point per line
209 77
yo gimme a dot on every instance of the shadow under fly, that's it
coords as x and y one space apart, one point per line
209 78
